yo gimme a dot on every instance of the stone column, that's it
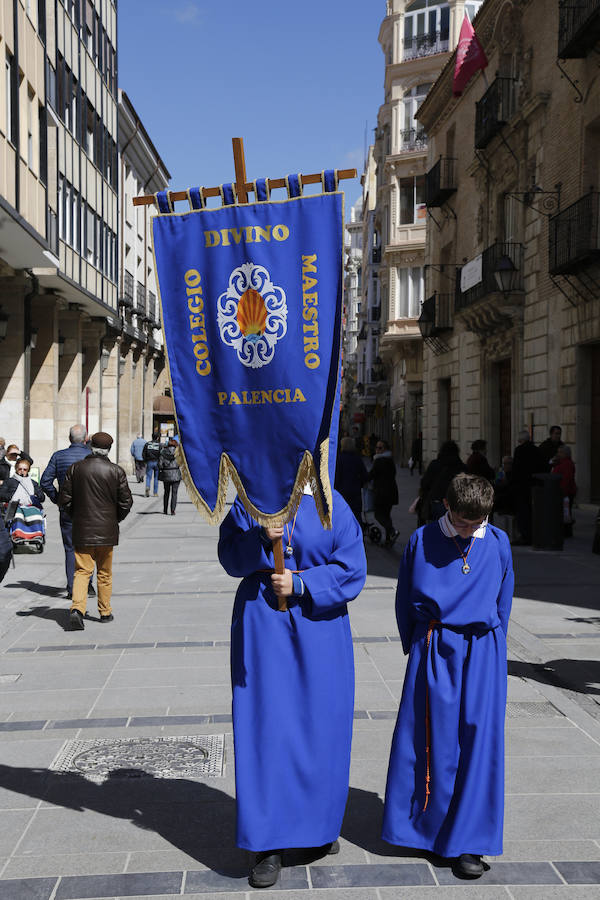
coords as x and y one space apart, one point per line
44 379
109 400
91 363
457 15
69 410
12 362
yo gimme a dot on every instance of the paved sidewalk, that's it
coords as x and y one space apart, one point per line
161 671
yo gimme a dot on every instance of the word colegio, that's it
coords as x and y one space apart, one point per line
195 304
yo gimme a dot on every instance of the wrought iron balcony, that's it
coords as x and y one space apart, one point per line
413 139
437 315
127 298
578 27
492 260
152 306
376 255
440 182
494 110
425 45
574 237
140 299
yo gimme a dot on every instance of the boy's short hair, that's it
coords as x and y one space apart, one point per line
470 496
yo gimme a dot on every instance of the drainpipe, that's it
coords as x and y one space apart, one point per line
34 292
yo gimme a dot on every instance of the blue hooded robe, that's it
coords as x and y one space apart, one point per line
465 672
293 677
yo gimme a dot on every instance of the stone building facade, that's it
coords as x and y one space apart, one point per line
64 347
512 317
416 39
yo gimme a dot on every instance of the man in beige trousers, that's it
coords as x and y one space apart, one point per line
96 495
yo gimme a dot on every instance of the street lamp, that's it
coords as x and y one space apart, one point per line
506 274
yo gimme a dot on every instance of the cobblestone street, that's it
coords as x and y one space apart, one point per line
156 818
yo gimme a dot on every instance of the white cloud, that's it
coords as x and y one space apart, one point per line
189 14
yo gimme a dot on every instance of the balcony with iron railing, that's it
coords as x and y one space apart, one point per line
140 299
440 182
496 260
127 298
437 315
425 45
494 110
413 139
578 27
574 238
376 255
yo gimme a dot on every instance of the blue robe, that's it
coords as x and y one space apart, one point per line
293 678
466 673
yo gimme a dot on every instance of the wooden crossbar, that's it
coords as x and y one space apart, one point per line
242 186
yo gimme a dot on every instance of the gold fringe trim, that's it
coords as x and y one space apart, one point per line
306 474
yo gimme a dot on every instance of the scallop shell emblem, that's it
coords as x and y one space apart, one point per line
252 315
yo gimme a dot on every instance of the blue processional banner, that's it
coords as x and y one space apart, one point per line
251 299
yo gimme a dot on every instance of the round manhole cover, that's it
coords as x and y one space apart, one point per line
132 759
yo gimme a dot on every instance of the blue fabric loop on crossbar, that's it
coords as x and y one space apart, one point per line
330 180
163 203
196 198
294 185
228 194
262 190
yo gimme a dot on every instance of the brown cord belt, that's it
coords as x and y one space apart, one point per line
430 627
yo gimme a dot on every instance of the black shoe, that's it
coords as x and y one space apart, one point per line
469 865
172 512
333 848
165 513
69 594
265 871
91 591
107 618
76 620
147 492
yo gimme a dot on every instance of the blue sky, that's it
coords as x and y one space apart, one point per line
298 82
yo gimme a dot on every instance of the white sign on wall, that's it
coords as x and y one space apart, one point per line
471 273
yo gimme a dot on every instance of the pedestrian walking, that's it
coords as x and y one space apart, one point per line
565 467
170 475
548 449
435 481
350 475
445 787
416 455
293 679
54 473
527 461
96 495
477 463
137 452
150 455
385 489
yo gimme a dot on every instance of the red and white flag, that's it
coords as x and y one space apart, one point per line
470 57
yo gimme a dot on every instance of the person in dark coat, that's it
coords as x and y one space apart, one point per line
55 471
565 467
170 475
350 475
416 454
96 495
437 477
385 489
150 455
527 461
6 549
477 463
549 448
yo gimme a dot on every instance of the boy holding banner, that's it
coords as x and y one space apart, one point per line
292 678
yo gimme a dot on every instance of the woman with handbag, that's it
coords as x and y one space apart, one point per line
170 475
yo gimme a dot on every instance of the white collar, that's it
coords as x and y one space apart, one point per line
308 489
448 529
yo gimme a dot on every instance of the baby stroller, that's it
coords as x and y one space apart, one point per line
370 528
27 528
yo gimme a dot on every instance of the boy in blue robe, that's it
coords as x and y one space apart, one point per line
293 679
445 788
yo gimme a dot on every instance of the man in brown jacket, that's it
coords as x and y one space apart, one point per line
96 496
